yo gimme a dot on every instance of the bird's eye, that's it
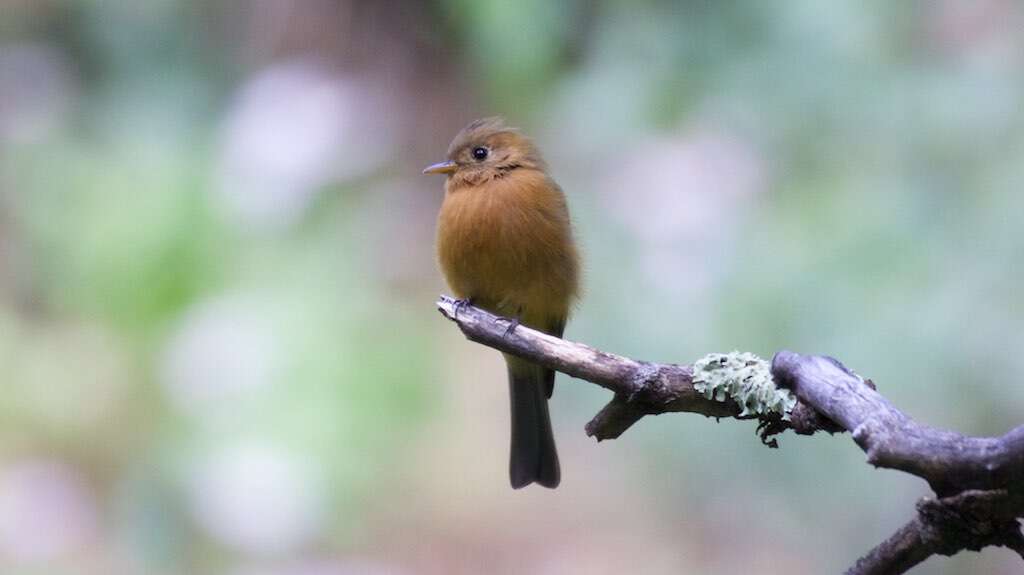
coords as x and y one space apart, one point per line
480 153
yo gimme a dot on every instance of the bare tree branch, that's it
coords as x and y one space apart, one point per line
950 462
969 520
978 480
641 388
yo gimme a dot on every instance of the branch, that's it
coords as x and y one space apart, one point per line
970 520
640 387
978 479
950 462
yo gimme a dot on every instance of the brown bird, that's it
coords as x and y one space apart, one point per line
504 242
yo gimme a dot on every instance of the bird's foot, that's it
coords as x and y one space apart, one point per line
513 323
458 305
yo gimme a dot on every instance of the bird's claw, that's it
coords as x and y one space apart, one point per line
513 323
458 304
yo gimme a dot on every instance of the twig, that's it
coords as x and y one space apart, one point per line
970 520
641 388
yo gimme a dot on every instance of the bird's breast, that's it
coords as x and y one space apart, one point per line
508 244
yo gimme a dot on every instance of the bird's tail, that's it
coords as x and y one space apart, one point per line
534 458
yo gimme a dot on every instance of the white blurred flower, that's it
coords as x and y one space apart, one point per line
258 499
222 348
295 127
681 196
36 89
46 511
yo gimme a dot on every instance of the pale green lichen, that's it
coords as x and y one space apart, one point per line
746 379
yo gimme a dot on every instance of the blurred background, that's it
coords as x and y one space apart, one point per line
219 352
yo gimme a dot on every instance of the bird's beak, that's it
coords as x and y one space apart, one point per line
440 168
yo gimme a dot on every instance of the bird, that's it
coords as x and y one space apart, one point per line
505 244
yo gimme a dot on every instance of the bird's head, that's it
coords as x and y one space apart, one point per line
487 149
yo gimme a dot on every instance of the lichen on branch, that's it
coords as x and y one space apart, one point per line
744 378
